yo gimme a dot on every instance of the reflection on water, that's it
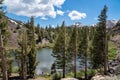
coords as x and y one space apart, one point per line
45 60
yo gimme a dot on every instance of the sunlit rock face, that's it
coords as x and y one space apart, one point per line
111 23
101 77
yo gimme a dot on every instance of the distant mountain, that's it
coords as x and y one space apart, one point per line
115 30
111 23
79 24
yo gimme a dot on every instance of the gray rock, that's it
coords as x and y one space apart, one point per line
101 77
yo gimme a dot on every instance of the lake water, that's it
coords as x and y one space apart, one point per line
45 60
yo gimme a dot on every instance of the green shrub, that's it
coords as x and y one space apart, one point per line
15 69
80 73
91 72
70 74
56 76
112 50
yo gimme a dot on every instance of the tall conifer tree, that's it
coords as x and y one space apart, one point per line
73 48
59 50
83 48
99 49
102 23
3 42
23 43
32 55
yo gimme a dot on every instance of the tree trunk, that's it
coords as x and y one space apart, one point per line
3 60
74 65
24 69
86 66
75 58
75 52
63 65
105 53
64 54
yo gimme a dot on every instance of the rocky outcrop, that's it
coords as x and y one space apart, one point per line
114 65
102 77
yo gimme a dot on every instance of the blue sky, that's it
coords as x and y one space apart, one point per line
53 12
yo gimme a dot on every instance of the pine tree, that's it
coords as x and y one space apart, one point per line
42 32
5 37
18 55
3 59
118 23
83 48
38 32
53 68
32 55
23 43
91 32
50 33
59 50
73 48
99 49
102 23
3 42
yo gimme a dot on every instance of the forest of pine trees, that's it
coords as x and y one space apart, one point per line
78 46
88 44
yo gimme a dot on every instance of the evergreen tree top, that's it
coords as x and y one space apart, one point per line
102 17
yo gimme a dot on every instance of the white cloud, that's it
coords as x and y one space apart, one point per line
59 12
57 3
35 8
75 15
44 18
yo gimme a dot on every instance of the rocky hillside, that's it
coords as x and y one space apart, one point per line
14 28
114 65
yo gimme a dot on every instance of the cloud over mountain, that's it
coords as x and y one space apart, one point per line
75 15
